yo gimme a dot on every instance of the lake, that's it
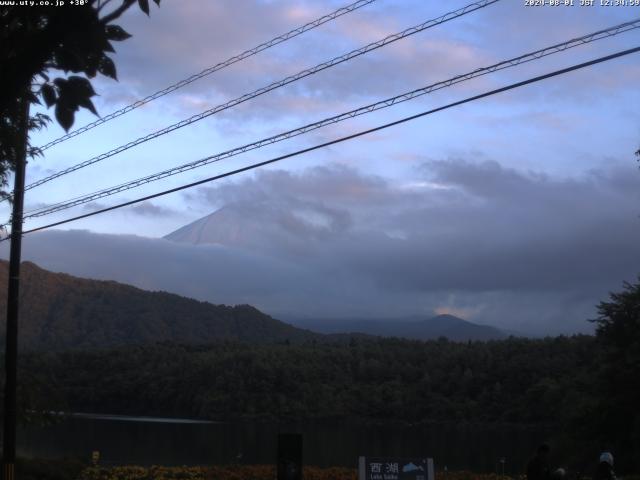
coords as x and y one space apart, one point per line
146 441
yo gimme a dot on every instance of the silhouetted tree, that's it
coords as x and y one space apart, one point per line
617 415
37 40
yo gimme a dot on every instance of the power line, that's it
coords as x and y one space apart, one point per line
208 71
343 139
585 39
261 91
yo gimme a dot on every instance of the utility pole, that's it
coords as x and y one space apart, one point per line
11 350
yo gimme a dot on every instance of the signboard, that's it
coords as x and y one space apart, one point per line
393 468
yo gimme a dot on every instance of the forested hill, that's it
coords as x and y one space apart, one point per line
448 326
59 311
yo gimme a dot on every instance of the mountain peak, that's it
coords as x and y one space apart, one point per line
218 227
447 317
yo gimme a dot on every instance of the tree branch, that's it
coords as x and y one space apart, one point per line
102 4
117 12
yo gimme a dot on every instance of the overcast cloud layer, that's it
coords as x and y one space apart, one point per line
516 249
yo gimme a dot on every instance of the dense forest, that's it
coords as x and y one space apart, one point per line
518 381
548 382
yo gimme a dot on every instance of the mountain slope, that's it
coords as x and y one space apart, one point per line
59 311
448 326
229 225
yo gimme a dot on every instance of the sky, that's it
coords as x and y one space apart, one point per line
520 210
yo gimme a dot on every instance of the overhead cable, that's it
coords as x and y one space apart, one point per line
208 71
342 139
261 91
512 62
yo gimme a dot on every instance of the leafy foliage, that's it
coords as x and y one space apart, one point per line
37 40
615 412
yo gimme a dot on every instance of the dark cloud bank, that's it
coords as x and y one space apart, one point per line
519 250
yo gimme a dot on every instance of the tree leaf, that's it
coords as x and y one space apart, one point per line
32 98
92 62
73 93
88 104
116 33
49 94
64 115
38 121
144 6
107 67
81 85
66 59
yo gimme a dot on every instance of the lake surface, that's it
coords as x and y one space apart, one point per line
146 441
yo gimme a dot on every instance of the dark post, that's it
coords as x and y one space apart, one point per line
11 351
289 456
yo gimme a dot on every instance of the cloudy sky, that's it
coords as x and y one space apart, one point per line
520 210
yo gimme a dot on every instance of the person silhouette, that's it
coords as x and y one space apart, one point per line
604 470
538 466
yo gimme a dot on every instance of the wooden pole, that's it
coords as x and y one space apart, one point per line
11 350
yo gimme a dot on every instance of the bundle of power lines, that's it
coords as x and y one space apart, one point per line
340 117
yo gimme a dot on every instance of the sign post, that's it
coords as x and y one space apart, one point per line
392 468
